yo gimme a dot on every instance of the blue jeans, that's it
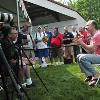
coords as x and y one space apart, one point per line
86 62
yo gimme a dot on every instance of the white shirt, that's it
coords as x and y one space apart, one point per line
74 33
39 37
30 45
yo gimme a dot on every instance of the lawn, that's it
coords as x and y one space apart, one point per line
64 82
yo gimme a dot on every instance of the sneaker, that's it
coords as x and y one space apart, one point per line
94 82
1 88
57 63
24 85
61 63
31 85
88 79
43 65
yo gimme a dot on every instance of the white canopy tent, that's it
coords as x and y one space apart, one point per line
10 6
43 12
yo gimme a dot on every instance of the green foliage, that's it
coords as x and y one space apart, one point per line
89 9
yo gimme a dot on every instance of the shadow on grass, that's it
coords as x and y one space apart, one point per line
64 82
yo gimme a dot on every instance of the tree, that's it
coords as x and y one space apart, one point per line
89 9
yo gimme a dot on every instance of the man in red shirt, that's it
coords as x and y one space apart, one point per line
56 50
84 35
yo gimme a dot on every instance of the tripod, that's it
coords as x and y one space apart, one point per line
12 76
22 49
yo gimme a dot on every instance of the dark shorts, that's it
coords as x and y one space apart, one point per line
42 52
56 52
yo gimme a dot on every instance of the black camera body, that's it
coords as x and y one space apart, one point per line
20 38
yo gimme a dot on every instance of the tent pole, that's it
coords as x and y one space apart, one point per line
17 1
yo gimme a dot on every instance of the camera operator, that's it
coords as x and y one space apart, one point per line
9 36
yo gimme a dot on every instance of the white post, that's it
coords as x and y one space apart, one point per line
18 24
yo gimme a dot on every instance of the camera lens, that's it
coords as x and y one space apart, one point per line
6 17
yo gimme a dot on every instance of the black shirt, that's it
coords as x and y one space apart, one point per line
10 52
9 49
68 35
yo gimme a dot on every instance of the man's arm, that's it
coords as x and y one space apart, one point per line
89 48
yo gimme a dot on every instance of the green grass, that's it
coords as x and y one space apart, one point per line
64 82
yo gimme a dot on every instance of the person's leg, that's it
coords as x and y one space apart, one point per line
86 60
76 51
83 70
65 52
60 53
51 55
69 52
46 54
21 76
40 55
68 59
43 56
55 56
27 75
26 70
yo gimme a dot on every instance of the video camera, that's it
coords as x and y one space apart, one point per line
7 19
20 38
